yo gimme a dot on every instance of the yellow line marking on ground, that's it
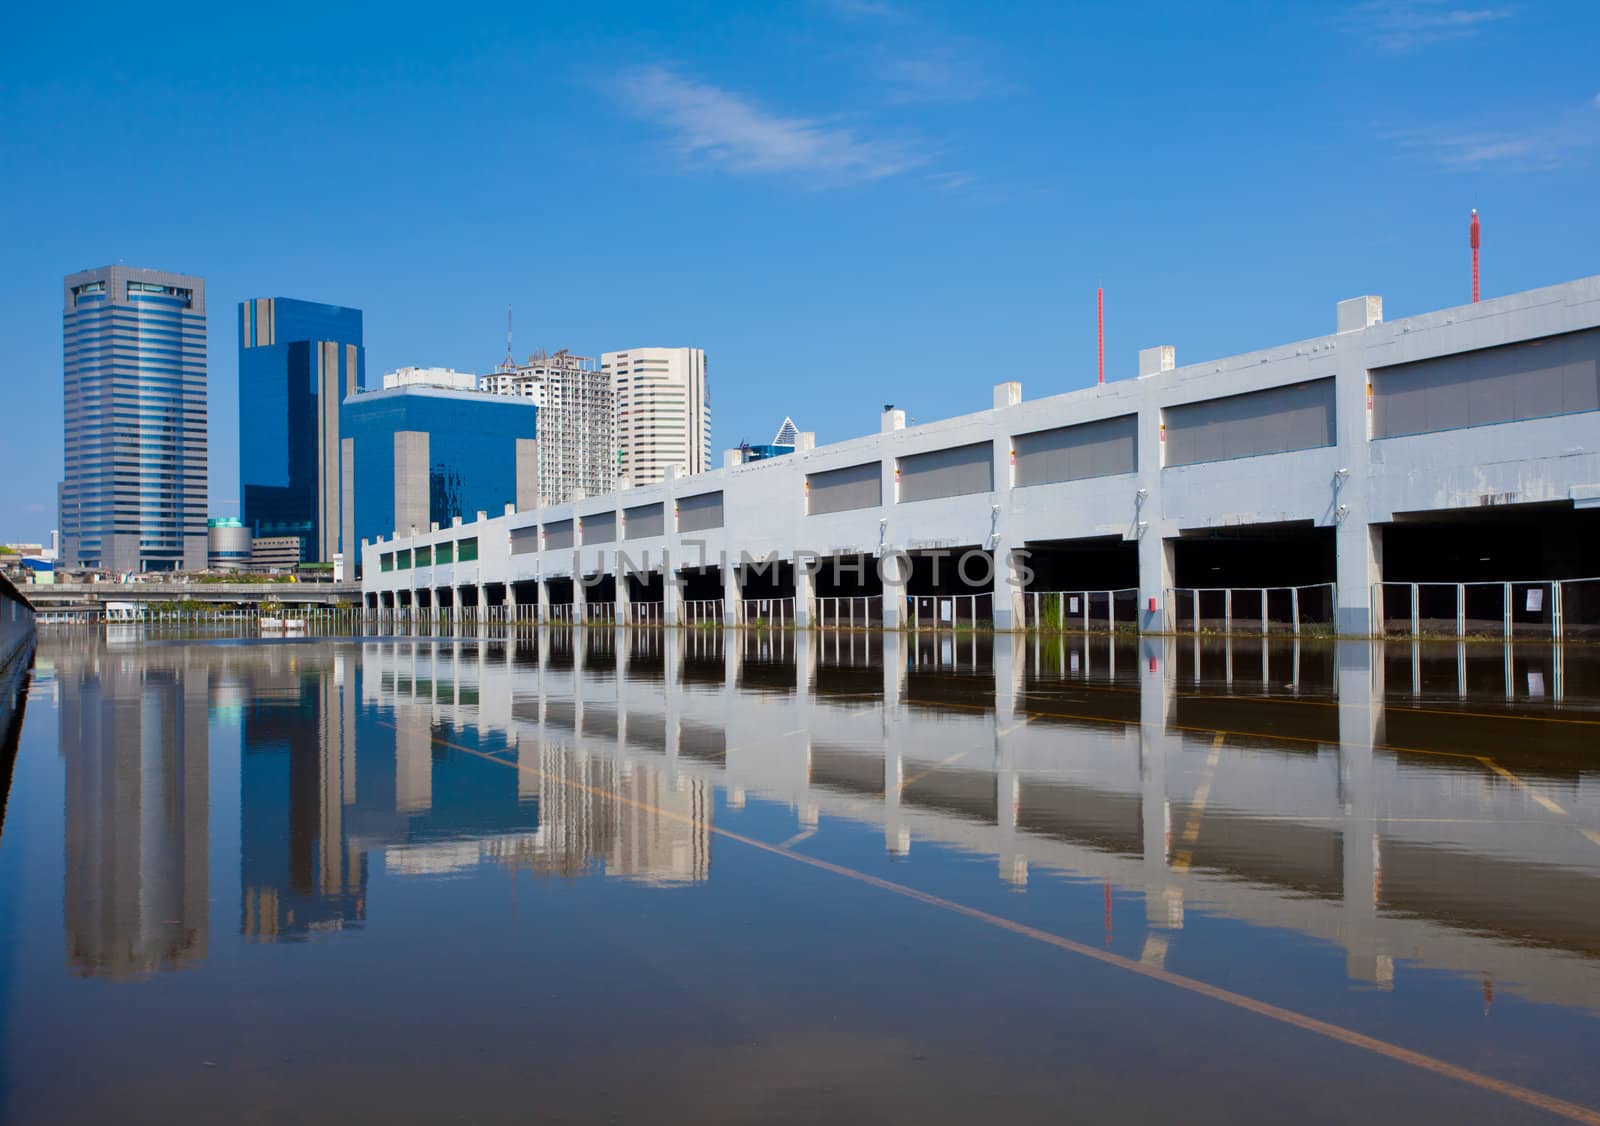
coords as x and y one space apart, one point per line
1197 807
915 778
1348 1036
1593 836
1529 790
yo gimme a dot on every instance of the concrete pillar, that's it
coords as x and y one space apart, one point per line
894 670
671 593
896 834
1358 558
732 594
895 568
1155 580
624 597
1360 702
805 590
1163 897
511 600
1358 561
1146 521
1009 660
805 667
580 593
1009 560
541 601
481 609
732 659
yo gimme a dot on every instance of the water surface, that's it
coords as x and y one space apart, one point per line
695 876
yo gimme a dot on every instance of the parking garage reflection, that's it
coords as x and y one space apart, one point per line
367 754
1313 788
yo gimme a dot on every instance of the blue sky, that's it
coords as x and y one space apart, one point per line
845 202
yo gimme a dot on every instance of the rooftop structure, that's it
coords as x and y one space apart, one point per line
430 377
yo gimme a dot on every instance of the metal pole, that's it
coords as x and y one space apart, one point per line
1294 608
1416 620
1227 616
1461 609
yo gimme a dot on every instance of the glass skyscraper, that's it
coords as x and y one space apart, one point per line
422 455
297 361
133 489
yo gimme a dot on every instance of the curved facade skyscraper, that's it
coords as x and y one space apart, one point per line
133 489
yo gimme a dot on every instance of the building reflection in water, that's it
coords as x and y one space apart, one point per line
1293 787
1406 805
134 740
595 813
300 871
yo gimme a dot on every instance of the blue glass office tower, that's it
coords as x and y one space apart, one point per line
297 362
422 455
133 489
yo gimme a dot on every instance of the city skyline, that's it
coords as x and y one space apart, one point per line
886 186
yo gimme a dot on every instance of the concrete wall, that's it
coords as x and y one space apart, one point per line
16 624
1351 487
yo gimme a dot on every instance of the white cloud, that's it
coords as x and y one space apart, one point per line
729 130
1540 147
1406 25
952 181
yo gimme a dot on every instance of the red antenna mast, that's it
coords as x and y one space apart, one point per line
1100 328
1472 237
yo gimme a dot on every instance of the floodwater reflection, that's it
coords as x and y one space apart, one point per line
1426 815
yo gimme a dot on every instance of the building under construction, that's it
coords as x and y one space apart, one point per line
577 421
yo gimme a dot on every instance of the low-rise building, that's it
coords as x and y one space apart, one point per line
228 544
421 456
275 553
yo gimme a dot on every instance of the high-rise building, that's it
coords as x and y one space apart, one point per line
422 455
577 421
663 404
298 360
133 490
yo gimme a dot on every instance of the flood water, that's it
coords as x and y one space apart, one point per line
690 876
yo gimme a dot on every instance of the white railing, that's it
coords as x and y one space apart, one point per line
1260 610
600 613
949 611
646 613
1080 611
769 611
1525 608
564 612
846 611
702 611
